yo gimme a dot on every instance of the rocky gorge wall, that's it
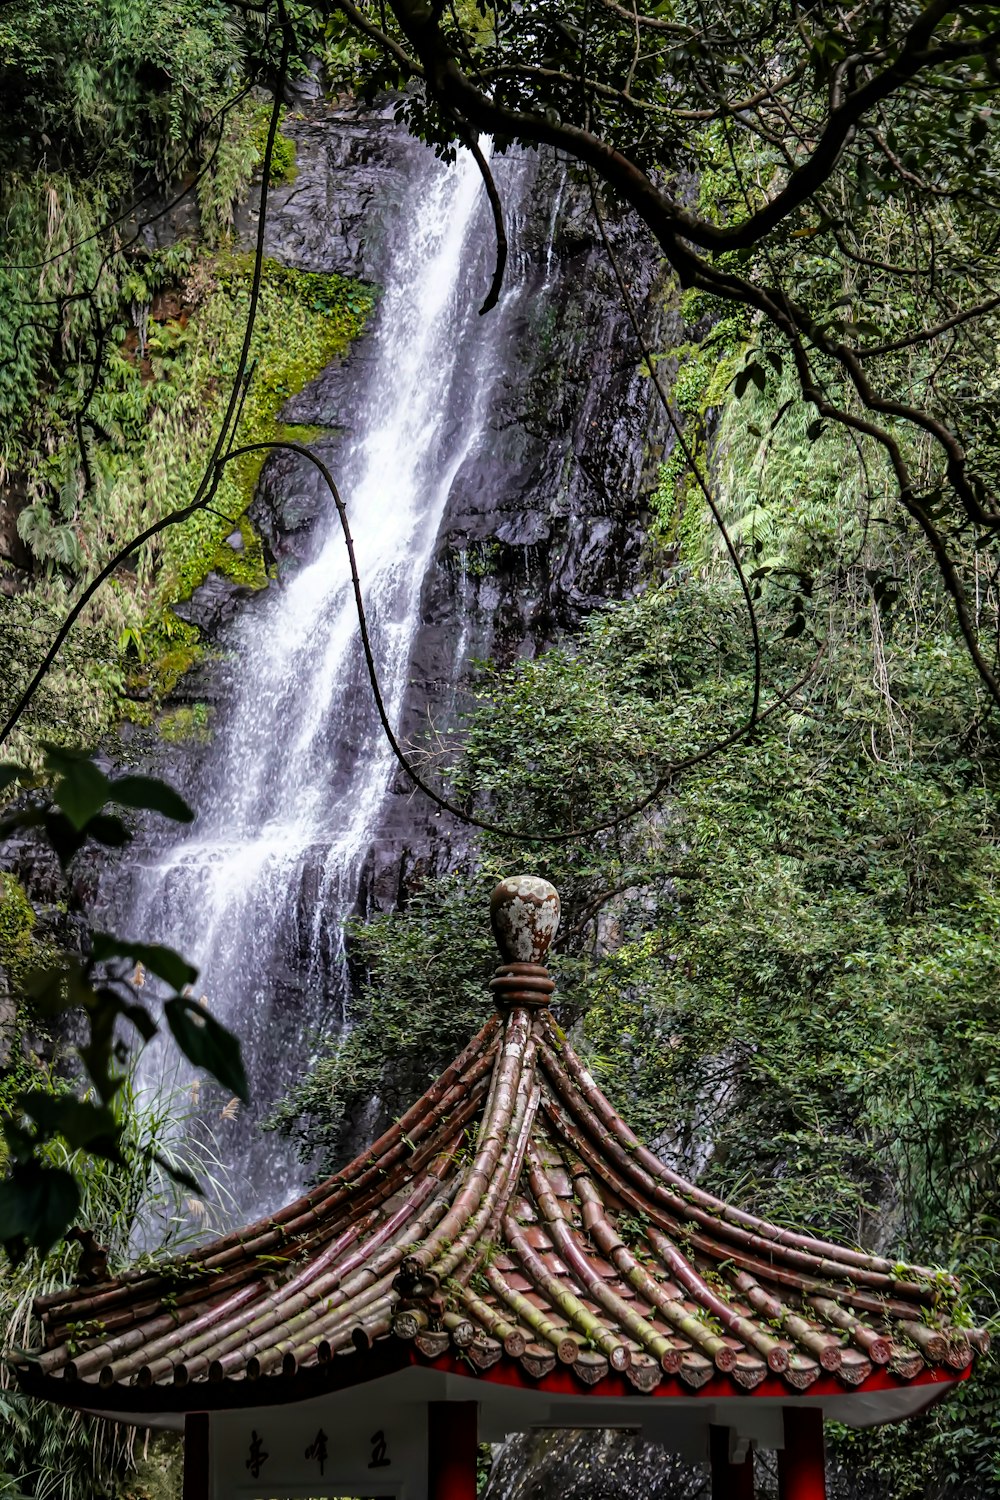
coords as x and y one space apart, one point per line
547 517
544 521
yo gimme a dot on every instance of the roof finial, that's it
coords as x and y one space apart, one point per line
524 912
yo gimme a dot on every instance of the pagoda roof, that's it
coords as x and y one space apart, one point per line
508 1226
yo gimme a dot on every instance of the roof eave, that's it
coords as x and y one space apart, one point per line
142 1406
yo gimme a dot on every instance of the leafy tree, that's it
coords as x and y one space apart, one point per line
40 1195
834 174
134 1205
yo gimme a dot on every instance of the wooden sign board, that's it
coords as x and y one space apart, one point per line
353 1444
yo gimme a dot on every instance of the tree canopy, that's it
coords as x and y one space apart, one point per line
829 174
831 171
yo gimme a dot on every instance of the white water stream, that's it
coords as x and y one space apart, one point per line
256 895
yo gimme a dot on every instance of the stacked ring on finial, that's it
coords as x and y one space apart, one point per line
524 913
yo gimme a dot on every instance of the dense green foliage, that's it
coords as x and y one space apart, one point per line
54 1453
95 110
117 361
786 970
132 643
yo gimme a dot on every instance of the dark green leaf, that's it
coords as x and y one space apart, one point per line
207 1044
81 790
108 830
37 1205
137 1014
48 987
20 1142
151 793
26 817
63 835
99 1053
96 1058
58 757
157 959
82 1124
751 372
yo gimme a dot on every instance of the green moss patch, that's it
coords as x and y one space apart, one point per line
304 321
165 388
188 725
284 168
17 923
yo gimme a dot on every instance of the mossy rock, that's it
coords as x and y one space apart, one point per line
17 923
284 168
187 725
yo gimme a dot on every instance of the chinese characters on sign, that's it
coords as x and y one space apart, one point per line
317 1450
258 1458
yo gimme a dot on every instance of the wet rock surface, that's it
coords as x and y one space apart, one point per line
547 516
592 1466
213 604
350 162
547 519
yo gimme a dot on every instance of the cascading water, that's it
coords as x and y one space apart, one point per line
258 892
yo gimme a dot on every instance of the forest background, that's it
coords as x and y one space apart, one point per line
785 967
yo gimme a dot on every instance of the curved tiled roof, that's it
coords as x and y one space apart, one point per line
510 1219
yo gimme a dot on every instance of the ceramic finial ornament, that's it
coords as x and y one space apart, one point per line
524 912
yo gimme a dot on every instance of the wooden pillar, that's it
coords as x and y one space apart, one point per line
197 1479
452 1450
802 1462
729 1481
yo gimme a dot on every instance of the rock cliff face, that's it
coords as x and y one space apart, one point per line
495 471
546 518
540 520
615 1465
592 1466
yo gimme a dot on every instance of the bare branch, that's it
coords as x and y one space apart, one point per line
924 335
493 295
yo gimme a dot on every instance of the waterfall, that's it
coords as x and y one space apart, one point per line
258 891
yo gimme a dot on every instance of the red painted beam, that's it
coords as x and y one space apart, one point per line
196 1456
802 1461
452 1449
563 1382
390 1355
729 1481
